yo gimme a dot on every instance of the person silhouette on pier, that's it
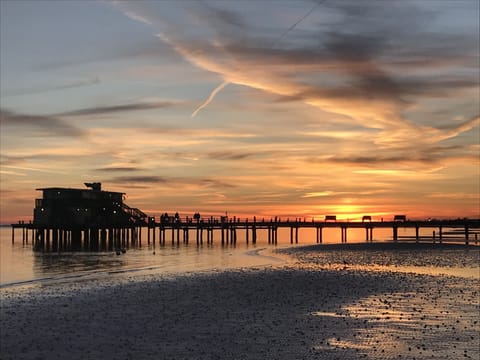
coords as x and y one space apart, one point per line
196 216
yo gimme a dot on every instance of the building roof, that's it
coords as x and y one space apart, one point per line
71 189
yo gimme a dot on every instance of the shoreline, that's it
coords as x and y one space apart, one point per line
434 259
286 312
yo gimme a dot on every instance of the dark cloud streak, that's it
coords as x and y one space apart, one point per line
153 180
118 169
39 125
70 85
230 155
434 155
101 110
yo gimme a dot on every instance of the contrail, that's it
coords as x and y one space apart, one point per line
225 83
210 98
294 25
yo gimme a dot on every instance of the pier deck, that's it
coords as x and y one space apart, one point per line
179 230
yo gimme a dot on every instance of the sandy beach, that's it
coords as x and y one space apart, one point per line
294 311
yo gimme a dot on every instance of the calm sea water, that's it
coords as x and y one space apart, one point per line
19 264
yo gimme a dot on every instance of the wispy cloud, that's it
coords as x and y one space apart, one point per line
454 130
118 169
318 194
230 155
25 168
39 125
69 85
228 18
151 179
132 15
100 110
171 182
210 98
355 63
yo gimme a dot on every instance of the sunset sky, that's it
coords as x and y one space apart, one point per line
267 108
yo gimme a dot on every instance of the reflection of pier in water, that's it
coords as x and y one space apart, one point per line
200 231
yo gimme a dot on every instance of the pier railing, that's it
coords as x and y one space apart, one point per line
137 216
101 237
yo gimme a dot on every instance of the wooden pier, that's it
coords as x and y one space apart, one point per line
78 238
177 230
92 219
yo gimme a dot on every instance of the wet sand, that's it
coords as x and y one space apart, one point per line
296 311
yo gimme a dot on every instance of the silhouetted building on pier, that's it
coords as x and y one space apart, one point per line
79 208
68 219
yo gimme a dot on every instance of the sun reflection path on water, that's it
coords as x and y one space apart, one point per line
432 312
438 321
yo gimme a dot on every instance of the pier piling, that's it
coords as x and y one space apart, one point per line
108 237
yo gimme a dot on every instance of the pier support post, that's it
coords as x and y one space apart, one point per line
76 238
109 238
103 238
47 245
38 238
54 239
344 234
